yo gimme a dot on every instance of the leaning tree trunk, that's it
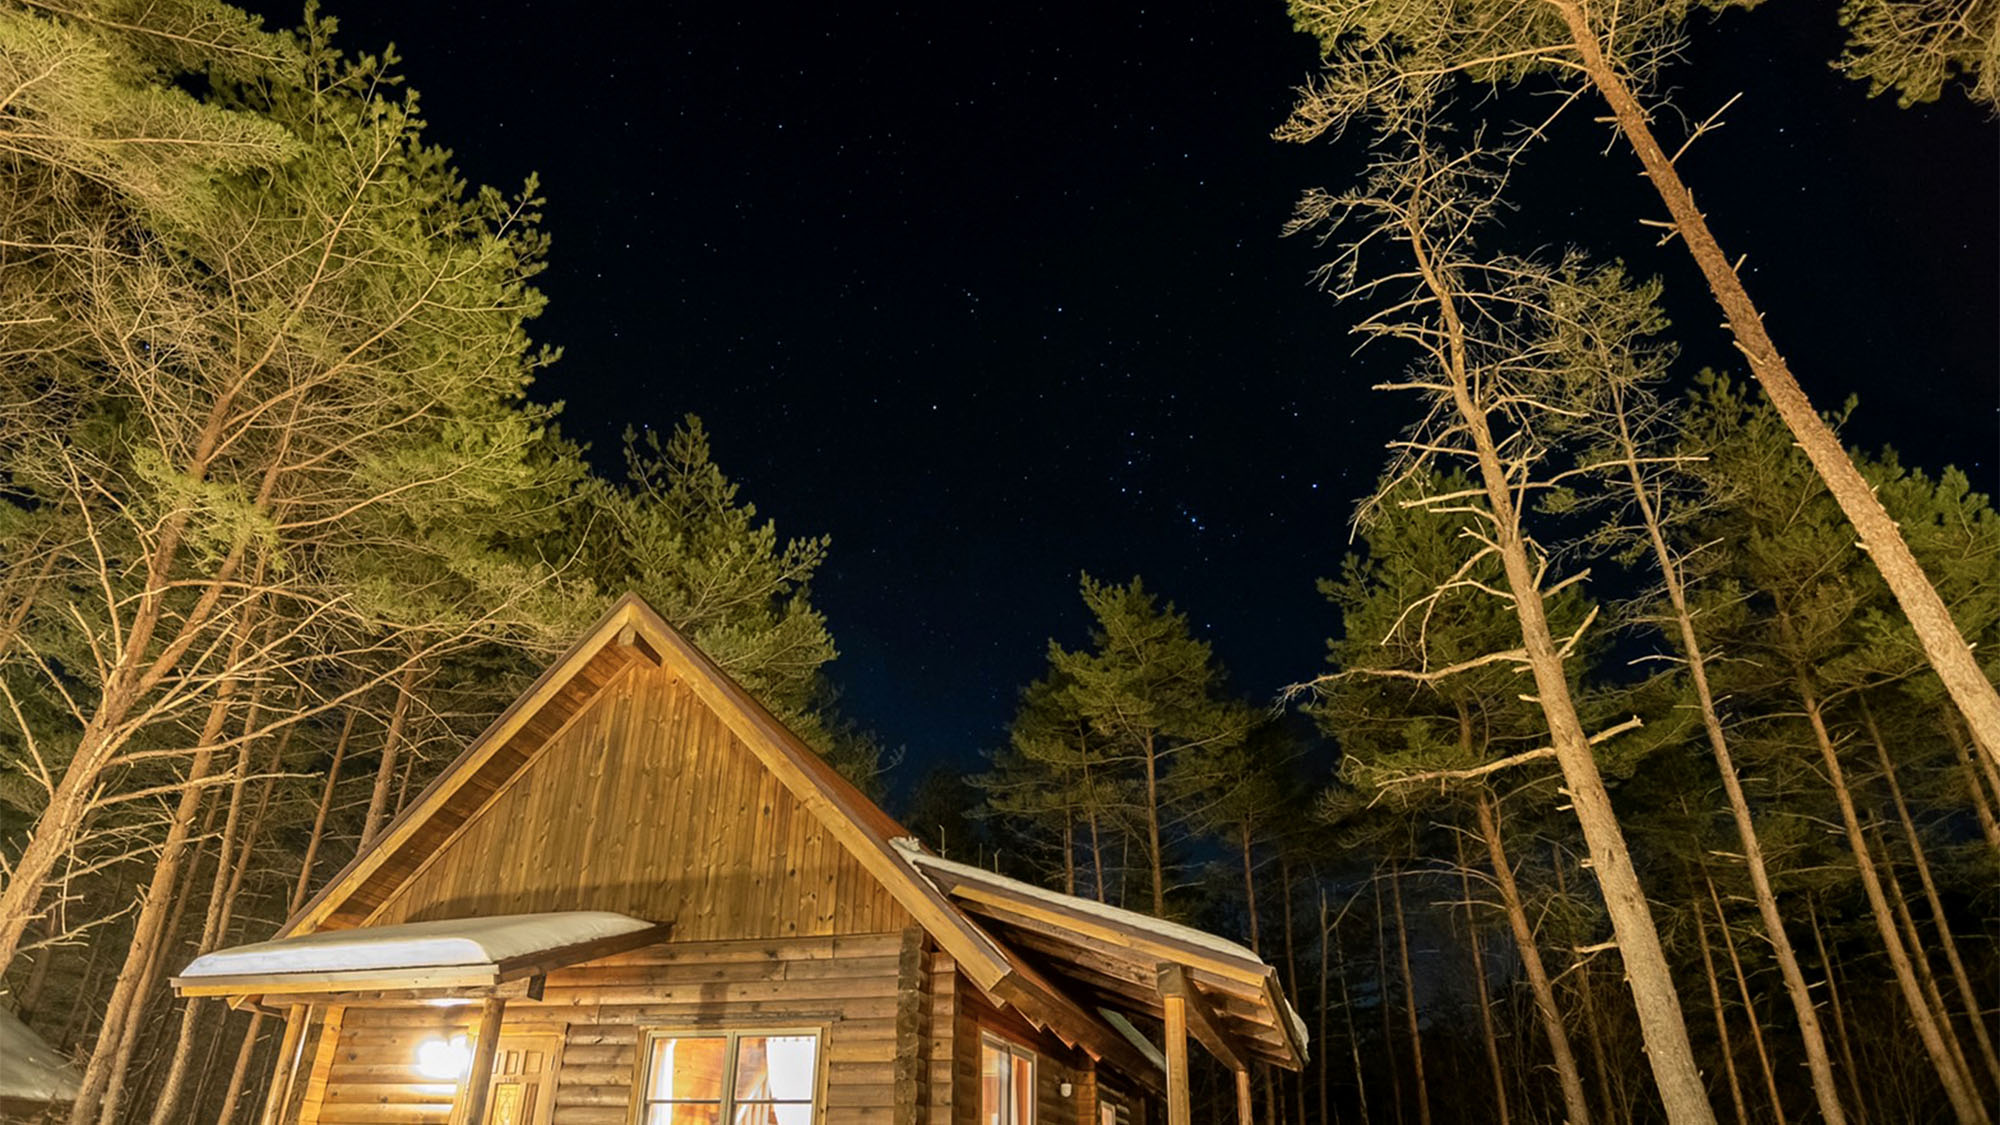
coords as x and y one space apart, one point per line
1155 861
1721 1018
1940 1011
1939 920
385 770
1965 1105
1410 998
223 893
108 1058
1382 993
1949 654
1818 1062
1615 1107
1839 1012
1749 1002
1291 970
1479 982
1661 1024
1975 788
1325 940
1250 889
1353 1034
1568 1076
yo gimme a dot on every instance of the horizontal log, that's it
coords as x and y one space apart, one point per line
342 1091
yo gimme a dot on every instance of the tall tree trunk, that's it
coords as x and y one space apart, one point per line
1353 1034
1965 1105
1749 1001
232 1096
1950 656
1721 1019
1382 993
385 770
1940 1011
320 814
111 1056
1485 1002
1839 1012
221 900
1614 1105
1291 970
1250 889
136 669
1939 920
1818 1063
1069 853
1539 985
1975 786
1410 998
1658 1003
1155 861
1325 942
1096 850
29 1000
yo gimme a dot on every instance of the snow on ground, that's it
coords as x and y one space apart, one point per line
30 1069
414 945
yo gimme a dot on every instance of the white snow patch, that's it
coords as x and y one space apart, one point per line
1134 1036
1145 923
30 1069
415 945
1172 932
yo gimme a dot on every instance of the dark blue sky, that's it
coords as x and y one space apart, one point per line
995 294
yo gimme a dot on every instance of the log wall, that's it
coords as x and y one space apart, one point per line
846 986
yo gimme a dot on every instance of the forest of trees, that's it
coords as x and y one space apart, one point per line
1654 775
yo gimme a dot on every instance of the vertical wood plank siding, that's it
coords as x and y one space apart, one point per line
646 804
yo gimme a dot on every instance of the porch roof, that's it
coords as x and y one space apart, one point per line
448 957
1121 960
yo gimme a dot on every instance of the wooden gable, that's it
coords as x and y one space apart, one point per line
635 776
645 803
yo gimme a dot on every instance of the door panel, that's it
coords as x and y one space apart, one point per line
524 1079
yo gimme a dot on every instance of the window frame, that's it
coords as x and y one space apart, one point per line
1013 1049
650 1034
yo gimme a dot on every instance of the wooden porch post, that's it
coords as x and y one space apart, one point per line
1242 1097
280 1093
479 1078
1179 1109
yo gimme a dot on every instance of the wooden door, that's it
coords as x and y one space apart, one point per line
524 1079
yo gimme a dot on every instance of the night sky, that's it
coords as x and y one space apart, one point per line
995 295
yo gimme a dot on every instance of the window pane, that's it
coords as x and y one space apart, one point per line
686 1069
992 1084
683 1115
1024 1091
776 1067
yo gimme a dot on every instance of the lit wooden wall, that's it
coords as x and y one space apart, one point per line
646 804
847 985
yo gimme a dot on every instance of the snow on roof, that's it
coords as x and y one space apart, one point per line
30 1069
414 945
1134 1036
1145 923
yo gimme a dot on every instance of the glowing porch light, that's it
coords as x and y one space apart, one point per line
446 1060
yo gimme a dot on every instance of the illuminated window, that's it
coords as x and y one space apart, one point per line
1006 1083
735 1078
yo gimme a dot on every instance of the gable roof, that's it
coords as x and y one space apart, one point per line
632 631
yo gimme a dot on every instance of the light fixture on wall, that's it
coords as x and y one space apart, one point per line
1064 1089
445 1060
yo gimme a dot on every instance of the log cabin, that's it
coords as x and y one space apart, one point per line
638 899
